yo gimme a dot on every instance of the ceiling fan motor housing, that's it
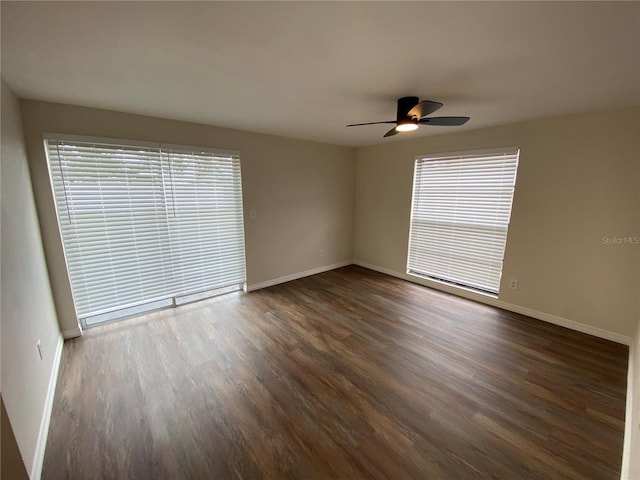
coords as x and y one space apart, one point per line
404 105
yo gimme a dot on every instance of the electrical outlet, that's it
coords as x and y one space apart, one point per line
323 253
513 284
252 214
40 350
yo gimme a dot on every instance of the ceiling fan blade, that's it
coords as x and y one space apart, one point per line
370 123
424 108
391 132
444 121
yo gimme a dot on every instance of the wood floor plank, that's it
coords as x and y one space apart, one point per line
349 374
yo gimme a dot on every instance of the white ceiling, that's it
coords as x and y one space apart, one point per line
306 69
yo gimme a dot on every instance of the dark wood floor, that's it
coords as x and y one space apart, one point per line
349 374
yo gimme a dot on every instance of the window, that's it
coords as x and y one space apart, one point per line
146 225
460 216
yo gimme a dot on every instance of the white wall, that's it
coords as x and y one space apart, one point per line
28 312
302 192
577 182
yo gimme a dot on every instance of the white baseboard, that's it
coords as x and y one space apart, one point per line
72 333
38 456
546 317
294 276
629 422
565 322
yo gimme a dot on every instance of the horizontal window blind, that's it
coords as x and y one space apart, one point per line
460 216
140 224
205 220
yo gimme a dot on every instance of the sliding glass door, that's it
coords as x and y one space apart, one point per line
146 225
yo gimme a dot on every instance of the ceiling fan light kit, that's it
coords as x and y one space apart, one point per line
412 112
406 126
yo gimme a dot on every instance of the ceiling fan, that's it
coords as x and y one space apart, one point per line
413 112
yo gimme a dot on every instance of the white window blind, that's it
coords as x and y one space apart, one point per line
460 216
145 223
205 219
